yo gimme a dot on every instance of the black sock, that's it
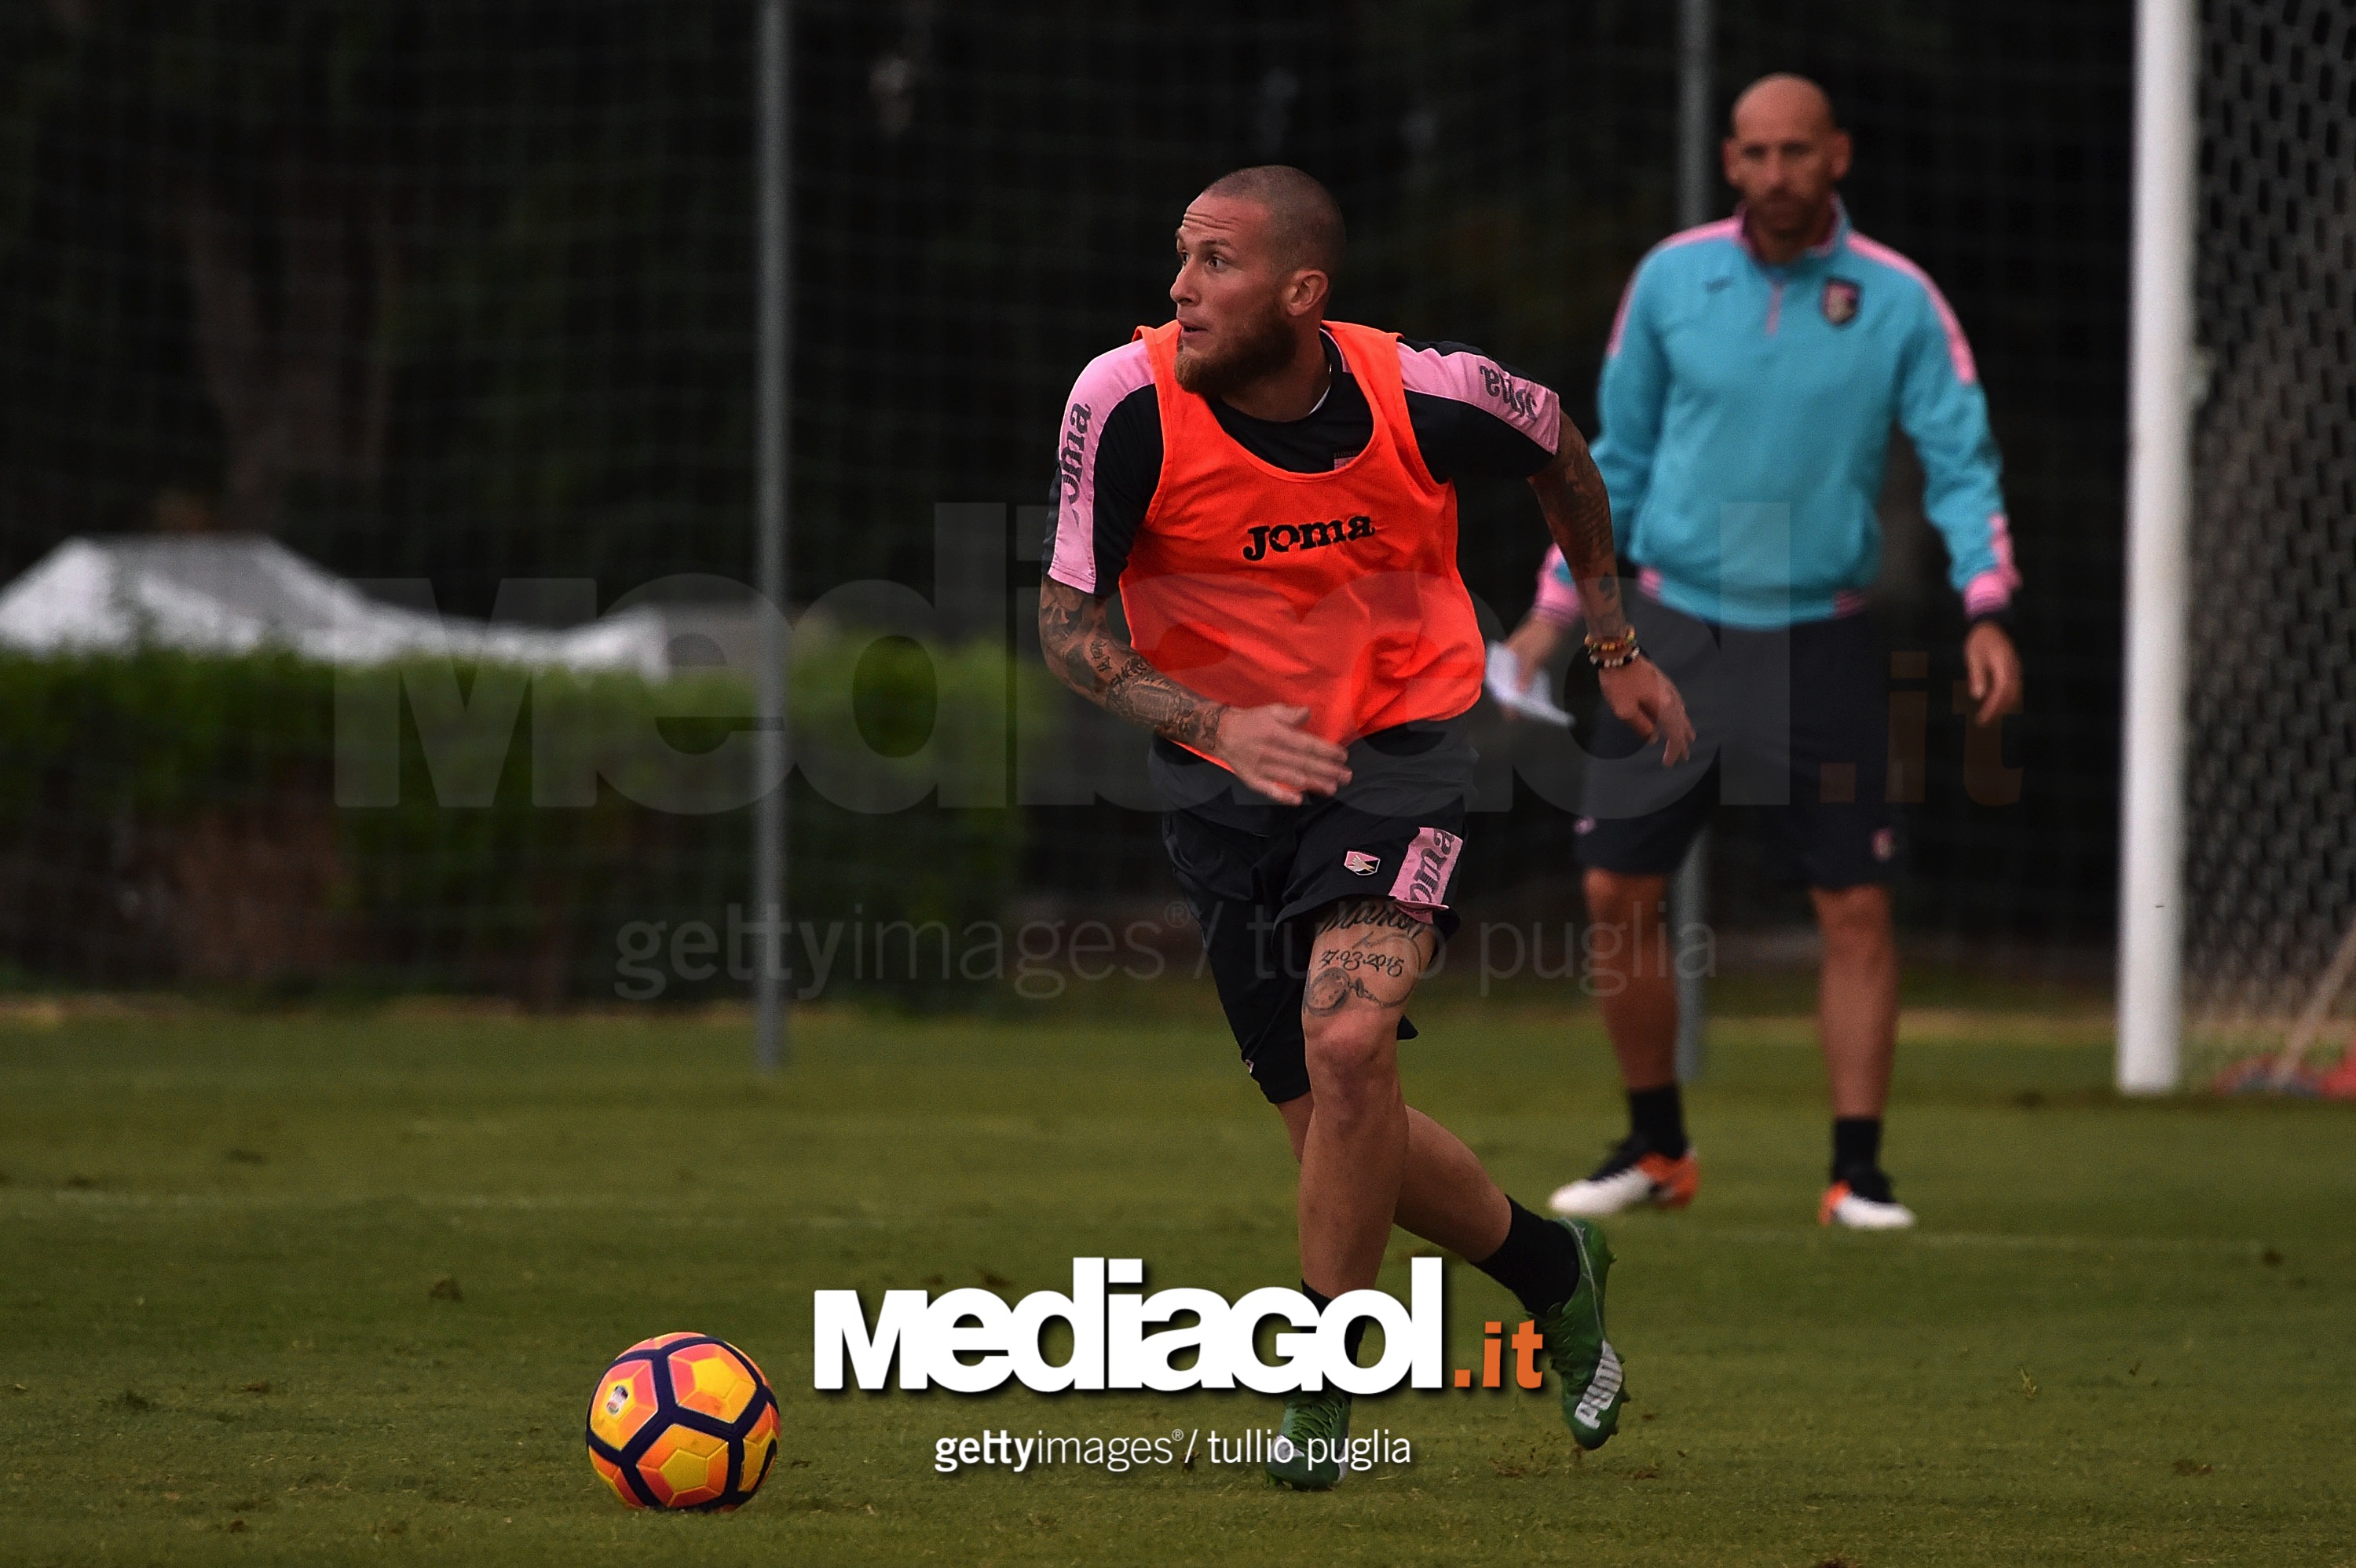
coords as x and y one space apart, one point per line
1538 1263
1658 1115
1857 1145
1353 1336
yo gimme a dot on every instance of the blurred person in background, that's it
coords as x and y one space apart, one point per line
1273 495
1754 372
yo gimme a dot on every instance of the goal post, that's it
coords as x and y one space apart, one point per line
2160 494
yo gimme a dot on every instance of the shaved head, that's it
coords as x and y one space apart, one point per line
1783 102
1304 221
1787 155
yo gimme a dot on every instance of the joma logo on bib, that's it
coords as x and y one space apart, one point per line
1283 539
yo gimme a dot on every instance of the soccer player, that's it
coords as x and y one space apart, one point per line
1747 394
1273 495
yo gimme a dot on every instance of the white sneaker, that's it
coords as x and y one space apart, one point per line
1845 1208
1632 1177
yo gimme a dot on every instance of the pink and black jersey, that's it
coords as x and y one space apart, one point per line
1469 415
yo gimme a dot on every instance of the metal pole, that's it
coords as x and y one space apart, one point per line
2159 500
773 419
1697 138
1689 894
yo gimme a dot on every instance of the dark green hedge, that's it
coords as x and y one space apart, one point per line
167 818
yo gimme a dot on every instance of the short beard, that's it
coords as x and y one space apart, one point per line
1262 349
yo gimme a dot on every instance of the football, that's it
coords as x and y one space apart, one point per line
683 1421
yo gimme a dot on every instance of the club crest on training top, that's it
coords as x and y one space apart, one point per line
1840 301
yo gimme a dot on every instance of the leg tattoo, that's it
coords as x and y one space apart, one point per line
1369 951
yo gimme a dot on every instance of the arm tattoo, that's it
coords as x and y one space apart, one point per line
1579 513
1370 951
1086 656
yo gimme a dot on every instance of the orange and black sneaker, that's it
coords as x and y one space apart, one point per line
1633 1174
1861 1200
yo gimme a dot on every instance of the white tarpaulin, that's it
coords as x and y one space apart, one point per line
236 593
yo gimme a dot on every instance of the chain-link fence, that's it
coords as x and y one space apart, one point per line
442 291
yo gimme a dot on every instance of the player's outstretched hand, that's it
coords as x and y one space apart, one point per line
1268 750
1993 672
1646 701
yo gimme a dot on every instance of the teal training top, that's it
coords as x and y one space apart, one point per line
1746 413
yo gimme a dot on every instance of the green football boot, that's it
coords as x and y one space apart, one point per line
1593 1384
1323 1418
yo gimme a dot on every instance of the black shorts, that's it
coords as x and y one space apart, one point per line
1254 879
1793 724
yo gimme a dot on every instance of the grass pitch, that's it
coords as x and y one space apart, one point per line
325 1288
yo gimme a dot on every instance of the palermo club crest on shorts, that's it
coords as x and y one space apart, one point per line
1841 295
1359 863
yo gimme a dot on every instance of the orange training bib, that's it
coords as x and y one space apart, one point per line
1336 592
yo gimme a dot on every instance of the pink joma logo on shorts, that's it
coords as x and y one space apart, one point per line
1423 875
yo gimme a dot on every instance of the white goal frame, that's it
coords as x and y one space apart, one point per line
2159 497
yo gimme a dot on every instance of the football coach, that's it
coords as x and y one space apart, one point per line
1752 377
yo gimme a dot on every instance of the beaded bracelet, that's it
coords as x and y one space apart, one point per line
1610 652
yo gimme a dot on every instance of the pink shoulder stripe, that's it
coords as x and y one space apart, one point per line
1717 228
1959 349
1107 379
1479 381
1724 228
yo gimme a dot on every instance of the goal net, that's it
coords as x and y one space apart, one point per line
2270 853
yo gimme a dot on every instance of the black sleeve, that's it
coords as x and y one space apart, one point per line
1473 419
1105 496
